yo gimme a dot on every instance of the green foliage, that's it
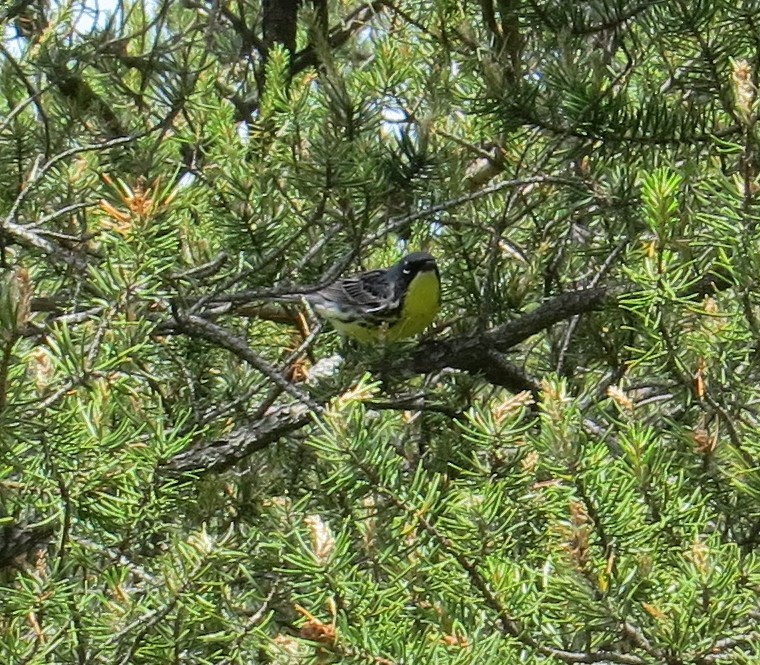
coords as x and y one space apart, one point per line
190 475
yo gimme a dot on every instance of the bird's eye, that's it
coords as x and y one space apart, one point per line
406 271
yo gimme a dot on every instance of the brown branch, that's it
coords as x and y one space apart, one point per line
280 20
223 453
19 541
200 327
5 363
27 235
721 648
348 27
79 93
24 236
479 353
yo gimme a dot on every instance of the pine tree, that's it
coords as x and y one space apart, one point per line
566 468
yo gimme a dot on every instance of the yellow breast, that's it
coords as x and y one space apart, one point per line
421 305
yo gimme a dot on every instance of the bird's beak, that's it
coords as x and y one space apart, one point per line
428 266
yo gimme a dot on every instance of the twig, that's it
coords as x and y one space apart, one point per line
348 27
397 223
200 327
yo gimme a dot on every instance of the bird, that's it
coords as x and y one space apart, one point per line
383 305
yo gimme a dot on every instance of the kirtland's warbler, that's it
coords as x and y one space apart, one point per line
388 304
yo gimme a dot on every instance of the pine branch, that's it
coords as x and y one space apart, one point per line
506 622
223 453
199 327
19 541
479 354
339 35
475 353
27 235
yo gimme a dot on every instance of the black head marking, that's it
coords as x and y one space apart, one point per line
405 270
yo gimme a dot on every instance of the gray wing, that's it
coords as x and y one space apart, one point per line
368 295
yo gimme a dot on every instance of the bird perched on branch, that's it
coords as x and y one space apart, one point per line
388 304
